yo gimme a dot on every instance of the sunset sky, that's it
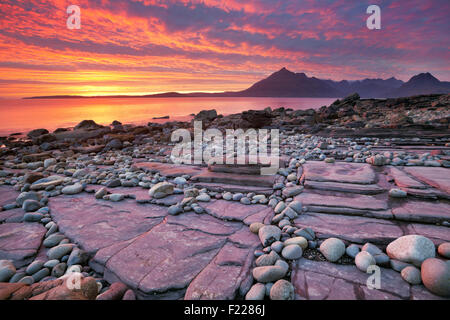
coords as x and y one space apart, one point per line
151 46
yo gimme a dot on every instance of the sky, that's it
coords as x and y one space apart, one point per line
153 46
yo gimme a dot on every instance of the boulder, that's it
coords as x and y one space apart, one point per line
296 206
30 205
268 273
34 267
114 292
87 125
411 275
77 256
256 292
161 190
46 182
352 250
36 133
255 226
282 290
363 260
397 193
114 144
32 216
73 189
269 234
372 249
377 160
436 276
7 290
300 241
129 295
292 191
267 259
7 270
31 177
333 249
292 252
444 250
59 270
206 115
411 249
30 195
256 119
87 289
59 251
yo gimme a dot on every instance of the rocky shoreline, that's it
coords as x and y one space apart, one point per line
361 183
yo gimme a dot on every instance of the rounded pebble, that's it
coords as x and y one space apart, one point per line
282 290
363 260
411 275
333 249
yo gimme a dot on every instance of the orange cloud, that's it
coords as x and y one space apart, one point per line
146 46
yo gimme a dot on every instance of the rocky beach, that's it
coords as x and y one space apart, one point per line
361 183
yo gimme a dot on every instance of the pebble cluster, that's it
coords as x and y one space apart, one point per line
361 150
63 258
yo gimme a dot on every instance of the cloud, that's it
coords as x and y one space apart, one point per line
231 43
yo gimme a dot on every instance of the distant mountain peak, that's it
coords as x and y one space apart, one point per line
285 83
422 83
283 71
425 76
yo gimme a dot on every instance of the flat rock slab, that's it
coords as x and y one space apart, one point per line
344 172
13 215
237 179
223 276
421 211
245 166
221 187
361 202
205 223
403 180
20 242
234 210
344 187
419 292
436 177
170 170
379 214
190 254
350 228
139 192
314 280
165 259
437 234
429 193
362 229
142 194
169 200
7 195
96 224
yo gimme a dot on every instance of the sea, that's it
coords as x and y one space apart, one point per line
23 115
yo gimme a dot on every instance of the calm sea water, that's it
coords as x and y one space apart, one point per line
24 115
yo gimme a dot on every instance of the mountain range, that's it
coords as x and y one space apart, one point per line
285 83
